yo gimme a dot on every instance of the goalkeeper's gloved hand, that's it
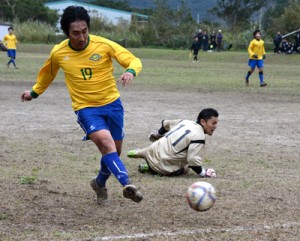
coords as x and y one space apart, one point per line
255 56
209 172
154 136
264 56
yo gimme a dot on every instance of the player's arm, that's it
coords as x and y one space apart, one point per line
194 157
166 125
251 53
127 60
44 79
202 172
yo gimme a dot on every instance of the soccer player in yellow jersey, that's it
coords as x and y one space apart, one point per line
179 145
87 63
10 42
257 54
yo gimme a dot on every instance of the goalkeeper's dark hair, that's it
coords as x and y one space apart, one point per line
206 114
72 14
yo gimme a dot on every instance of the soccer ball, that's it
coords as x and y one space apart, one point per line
201 196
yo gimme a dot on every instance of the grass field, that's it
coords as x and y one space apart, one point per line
45 168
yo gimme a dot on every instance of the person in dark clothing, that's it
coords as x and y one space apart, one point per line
213 40
297 41
199 35
205 41
277 40
219 40
196 46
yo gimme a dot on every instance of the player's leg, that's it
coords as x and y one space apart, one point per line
99 120
260 65
138 153
251 64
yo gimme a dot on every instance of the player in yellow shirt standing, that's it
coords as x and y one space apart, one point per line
87 63
10 41
257 54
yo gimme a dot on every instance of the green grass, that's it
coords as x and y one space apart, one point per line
223 71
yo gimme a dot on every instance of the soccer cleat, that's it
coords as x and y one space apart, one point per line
143 168
101 192
132 154
263 84
247 82
131 192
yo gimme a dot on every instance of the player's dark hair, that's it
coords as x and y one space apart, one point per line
10 28
72 14
255 32
206 114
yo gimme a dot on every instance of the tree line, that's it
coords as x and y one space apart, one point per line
175 27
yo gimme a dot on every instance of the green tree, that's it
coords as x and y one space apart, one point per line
289 20
237 13
167 26
283 16
23 10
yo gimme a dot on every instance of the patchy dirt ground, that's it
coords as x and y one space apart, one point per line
45 169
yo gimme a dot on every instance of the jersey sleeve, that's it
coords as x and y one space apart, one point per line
46 75
126 59
196 152
250 51
169 124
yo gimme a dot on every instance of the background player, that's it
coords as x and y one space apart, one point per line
180 145
257 54
10 42
87 63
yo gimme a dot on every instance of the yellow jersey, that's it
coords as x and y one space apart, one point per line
10 41
88 72
256 47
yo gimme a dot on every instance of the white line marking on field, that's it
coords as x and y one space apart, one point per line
198 231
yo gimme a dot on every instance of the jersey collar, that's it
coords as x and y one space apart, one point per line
69 43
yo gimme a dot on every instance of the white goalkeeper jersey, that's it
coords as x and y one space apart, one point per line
183 144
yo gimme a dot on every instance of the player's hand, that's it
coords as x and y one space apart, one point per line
255 56
264 56
154 136
25 96
125 78
209 172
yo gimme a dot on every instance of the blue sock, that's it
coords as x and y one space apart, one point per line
248 75
103 174
261 77
116 166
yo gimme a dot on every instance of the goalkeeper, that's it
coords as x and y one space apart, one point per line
178 145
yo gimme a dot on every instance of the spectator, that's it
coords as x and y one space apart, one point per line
199 35
213 39
297 39
205 41
284 46
219 40
277 40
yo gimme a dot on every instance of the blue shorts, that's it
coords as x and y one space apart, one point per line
256 62
11 53
109 117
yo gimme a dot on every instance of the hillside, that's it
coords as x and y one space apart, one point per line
199 8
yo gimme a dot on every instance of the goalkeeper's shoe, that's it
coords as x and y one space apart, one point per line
263 84
143 168
131 192
101 192
132 154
